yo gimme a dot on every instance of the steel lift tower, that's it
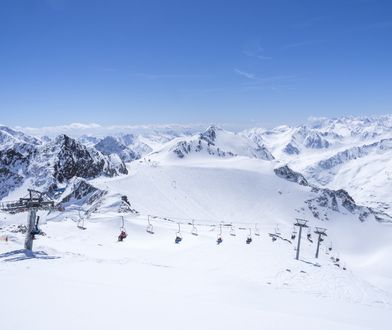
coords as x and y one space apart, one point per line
33 202
301 223
320 232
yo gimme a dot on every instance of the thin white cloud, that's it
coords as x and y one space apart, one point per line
300 44
152 76
309 22
245 74
375 26
257 52
79 129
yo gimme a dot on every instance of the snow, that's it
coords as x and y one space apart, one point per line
85 279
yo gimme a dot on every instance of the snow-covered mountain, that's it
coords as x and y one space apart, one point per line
349 153
234 185
344 153
48 166
214 142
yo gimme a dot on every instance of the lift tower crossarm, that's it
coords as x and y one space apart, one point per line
320 232
34 202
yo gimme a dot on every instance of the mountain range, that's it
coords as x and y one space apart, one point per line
344 154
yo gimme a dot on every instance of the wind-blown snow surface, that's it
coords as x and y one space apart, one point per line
84 279
87 280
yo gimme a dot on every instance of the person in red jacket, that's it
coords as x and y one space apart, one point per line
122 235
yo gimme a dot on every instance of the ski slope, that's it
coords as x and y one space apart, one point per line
85 279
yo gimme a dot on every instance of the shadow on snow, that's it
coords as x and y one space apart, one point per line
20 255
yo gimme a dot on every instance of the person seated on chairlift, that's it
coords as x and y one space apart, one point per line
36 230
122 235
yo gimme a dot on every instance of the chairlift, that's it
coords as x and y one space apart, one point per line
81 222
219 238
309 235
274 238
294 234
249 238
330 247
149 228
123 232
194 231
36 230
232 230
277 230
257 231
178 238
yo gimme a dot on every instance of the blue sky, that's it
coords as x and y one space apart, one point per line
133 62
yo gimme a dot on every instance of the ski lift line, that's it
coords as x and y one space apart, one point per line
202 222
191 222
199 221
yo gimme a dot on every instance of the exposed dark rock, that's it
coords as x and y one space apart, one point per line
287 173
291 149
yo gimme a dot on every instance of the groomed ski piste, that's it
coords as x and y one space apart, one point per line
86 279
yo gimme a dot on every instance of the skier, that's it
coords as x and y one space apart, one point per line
36 230
122 235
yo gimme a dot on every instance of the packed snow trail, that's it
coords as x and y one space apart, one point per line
87 280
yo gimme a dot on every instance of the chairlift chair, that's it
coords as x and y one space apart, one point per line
123 232
149 228
232 230
178 238
309 233
294 234
36 230
122 236
219 238
194 231
249 238
257 231
81 222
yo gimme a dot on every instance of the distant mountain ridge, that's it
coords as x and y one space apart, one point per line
350 153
